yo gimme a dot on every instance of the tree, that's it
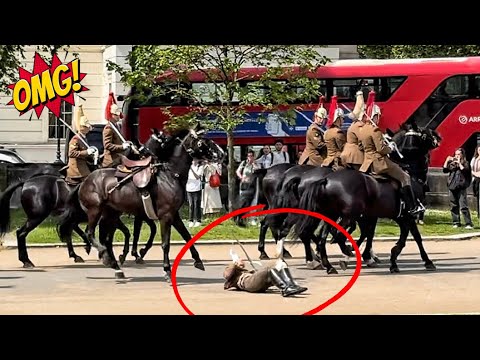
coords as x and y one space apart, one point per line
221 66
11 57
416 51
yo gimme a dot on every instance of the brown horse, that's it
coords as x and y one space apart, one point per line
167 190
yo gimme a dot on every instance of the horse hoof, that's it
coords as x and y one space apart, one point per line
371 263
119 274
314 265
332 271
377 260
199 265
286 254
28 264
394 269
143 252
430 267
167 277
121 259
264 256
79 259
343 265
88 248
139 260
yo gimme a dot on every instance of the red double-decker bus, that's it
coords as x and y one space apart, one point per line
442 94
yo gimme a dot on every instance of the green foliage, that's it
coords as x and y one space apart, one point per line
221 67
416 51
164 71
11 57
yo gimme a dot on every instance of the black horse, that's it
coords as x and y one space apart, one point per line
268 181
350 196
167 190
44 193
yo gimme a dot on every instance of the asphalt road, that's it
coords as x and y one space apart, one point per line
59 286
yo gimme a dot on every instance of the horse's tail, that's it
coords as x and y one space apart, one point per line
287 193
72 215
5 207
310 200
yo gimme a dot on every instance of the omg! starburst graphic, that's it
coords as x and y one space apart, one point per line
47 86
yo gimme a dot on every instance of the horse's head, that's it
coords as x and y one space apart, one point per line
159 145
199 147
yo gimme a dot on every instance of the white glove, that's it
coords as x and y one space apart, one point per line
90 150
392 146
234 256
126 145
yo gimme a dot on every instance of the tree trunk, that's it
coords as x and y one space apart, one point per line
232 193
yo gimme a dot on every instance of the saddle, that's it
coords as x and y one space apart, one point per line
385 178
142 172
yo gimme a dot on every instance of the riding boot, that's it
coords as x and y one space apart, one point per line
411 205
288 278
285 287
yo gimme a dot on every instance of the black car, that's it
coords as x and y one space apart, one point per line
8 156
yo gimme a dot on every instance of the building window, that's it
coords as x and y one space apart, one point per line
58 129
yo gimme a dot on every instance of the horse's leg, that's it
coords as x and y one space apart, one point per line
261 238
137 227
166 230
418 239
182 230
324 231
107 227
126 243
71 251
397 249
153 233
311 259
22 239
83 235
94 214
369 228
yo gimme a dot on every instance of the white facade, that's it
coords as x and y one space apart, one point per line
33 139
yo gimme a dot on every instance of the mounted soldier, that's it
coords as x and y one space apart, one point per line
315 149
334 136
352 155
79 153
376 161
113 145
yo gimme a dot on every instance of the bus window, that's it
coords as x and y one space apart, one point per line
211 93
441 102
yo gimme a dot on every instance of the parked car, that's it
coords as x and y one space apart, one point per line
8 156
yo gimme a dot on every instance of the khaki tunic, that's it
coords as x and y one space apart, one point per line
353 150
314 139
247 280
376 152
335 140
77 161
112 146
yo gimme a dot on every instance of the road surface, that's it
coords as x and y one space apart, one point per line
59 286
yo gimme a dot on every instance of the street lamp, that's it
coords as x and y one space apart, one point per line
58 160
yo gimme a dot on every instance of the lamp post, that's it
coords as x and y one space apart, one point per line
58 160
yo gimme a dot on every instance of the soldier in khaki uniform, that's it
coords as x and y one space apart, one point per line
79 154
352 155
112 144
334 137
258 281
315 149
376 160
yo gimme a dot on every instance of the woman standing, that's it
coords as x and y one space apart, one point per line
475 165
211 200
